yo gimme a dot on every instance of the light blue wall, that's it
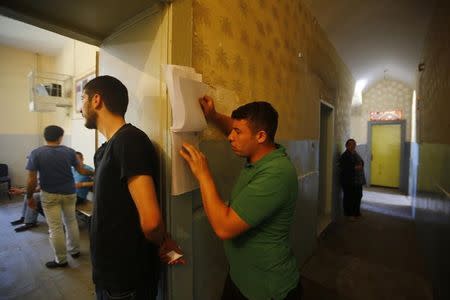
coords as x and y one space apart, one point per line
431 208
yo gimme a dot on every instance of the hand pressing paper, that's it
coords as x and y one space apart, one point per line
191 118
185 87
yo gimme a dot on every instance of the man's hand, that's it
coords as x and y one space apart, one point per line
168 246
207 104
196 160
32 203
223 122
14 191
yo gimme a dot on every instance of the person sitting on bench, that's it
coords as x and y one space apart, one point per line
83 183
30 211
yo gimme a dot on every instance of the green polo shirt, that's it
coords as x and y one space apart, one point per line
262 264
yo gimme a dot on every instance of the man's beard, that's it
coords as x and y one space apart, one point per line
91 120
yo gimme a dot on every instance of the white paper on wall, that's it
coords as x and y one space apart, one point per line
192 117
183 180
185 88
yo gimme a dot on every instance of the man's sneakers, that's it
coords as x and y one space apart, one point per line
53 265
25 227
17 222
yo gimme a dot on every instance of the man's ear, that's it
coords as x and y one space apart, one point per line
96 101
261 136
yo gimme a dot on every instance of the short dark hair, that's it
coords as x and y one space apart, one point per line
348 141
52 133
112 91
79 153
261 115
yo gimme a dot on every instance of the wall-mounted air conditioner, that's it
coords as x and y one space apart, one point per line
49 91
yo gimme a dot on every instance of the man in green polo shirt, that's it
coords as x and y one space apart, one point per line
255 226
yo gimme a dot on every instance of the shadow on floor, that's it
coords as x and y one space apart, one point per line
375 257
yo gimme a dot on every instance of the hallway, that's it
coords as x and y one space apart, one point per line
375 257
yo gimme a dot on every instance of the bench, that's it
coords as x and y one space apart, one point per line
84 211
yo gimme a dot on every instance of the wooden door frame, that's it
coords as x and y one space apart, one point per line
402 124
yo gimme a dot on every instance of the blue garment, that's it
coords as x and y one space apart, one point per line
54 166
30 215
82 192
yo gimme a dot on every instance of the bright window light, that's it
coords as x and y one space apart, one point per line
357 95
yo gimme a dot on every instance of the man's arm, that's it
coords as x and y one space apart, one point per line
142 190
84 184
83 171
223 122
15 191
225 222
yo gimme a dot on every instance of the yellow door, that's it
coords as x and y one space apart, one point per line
385 167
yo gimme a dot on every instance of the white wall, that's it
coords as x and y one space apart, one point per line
134 56
20 129
384 95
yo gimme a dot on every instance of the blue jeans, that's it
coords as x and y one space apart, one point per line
59 209
30 215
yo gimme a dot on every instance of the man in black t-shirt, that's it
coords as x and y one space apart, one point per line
126 227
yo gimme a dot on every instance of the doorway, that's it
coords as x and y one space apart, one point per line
325 192
386 140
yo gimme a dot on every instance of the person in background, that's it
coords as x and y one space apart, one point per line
29 214
126 226
53 163
351 168
83 183
255 225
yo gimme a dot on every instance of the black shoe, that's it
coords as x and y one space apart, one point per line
25 227
75 255
53 264
17 222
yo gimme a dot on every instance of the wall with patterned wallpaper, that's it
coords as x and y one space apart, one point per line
274 51
431 203
433 105
252 48
384 95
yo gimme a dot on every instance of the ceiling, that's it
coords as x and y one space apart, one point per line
376 38
30 38
89 21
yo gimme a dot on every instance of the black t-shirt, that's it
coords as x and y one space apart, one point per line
121 256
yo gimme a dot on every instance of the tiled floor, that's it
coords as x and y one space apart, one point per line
375 257
23 274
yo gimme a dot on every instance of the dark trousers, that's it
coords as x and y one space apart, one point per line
143 293
352 199
231 291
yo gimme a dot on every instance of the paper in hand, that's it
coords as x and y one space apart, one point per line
173 256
